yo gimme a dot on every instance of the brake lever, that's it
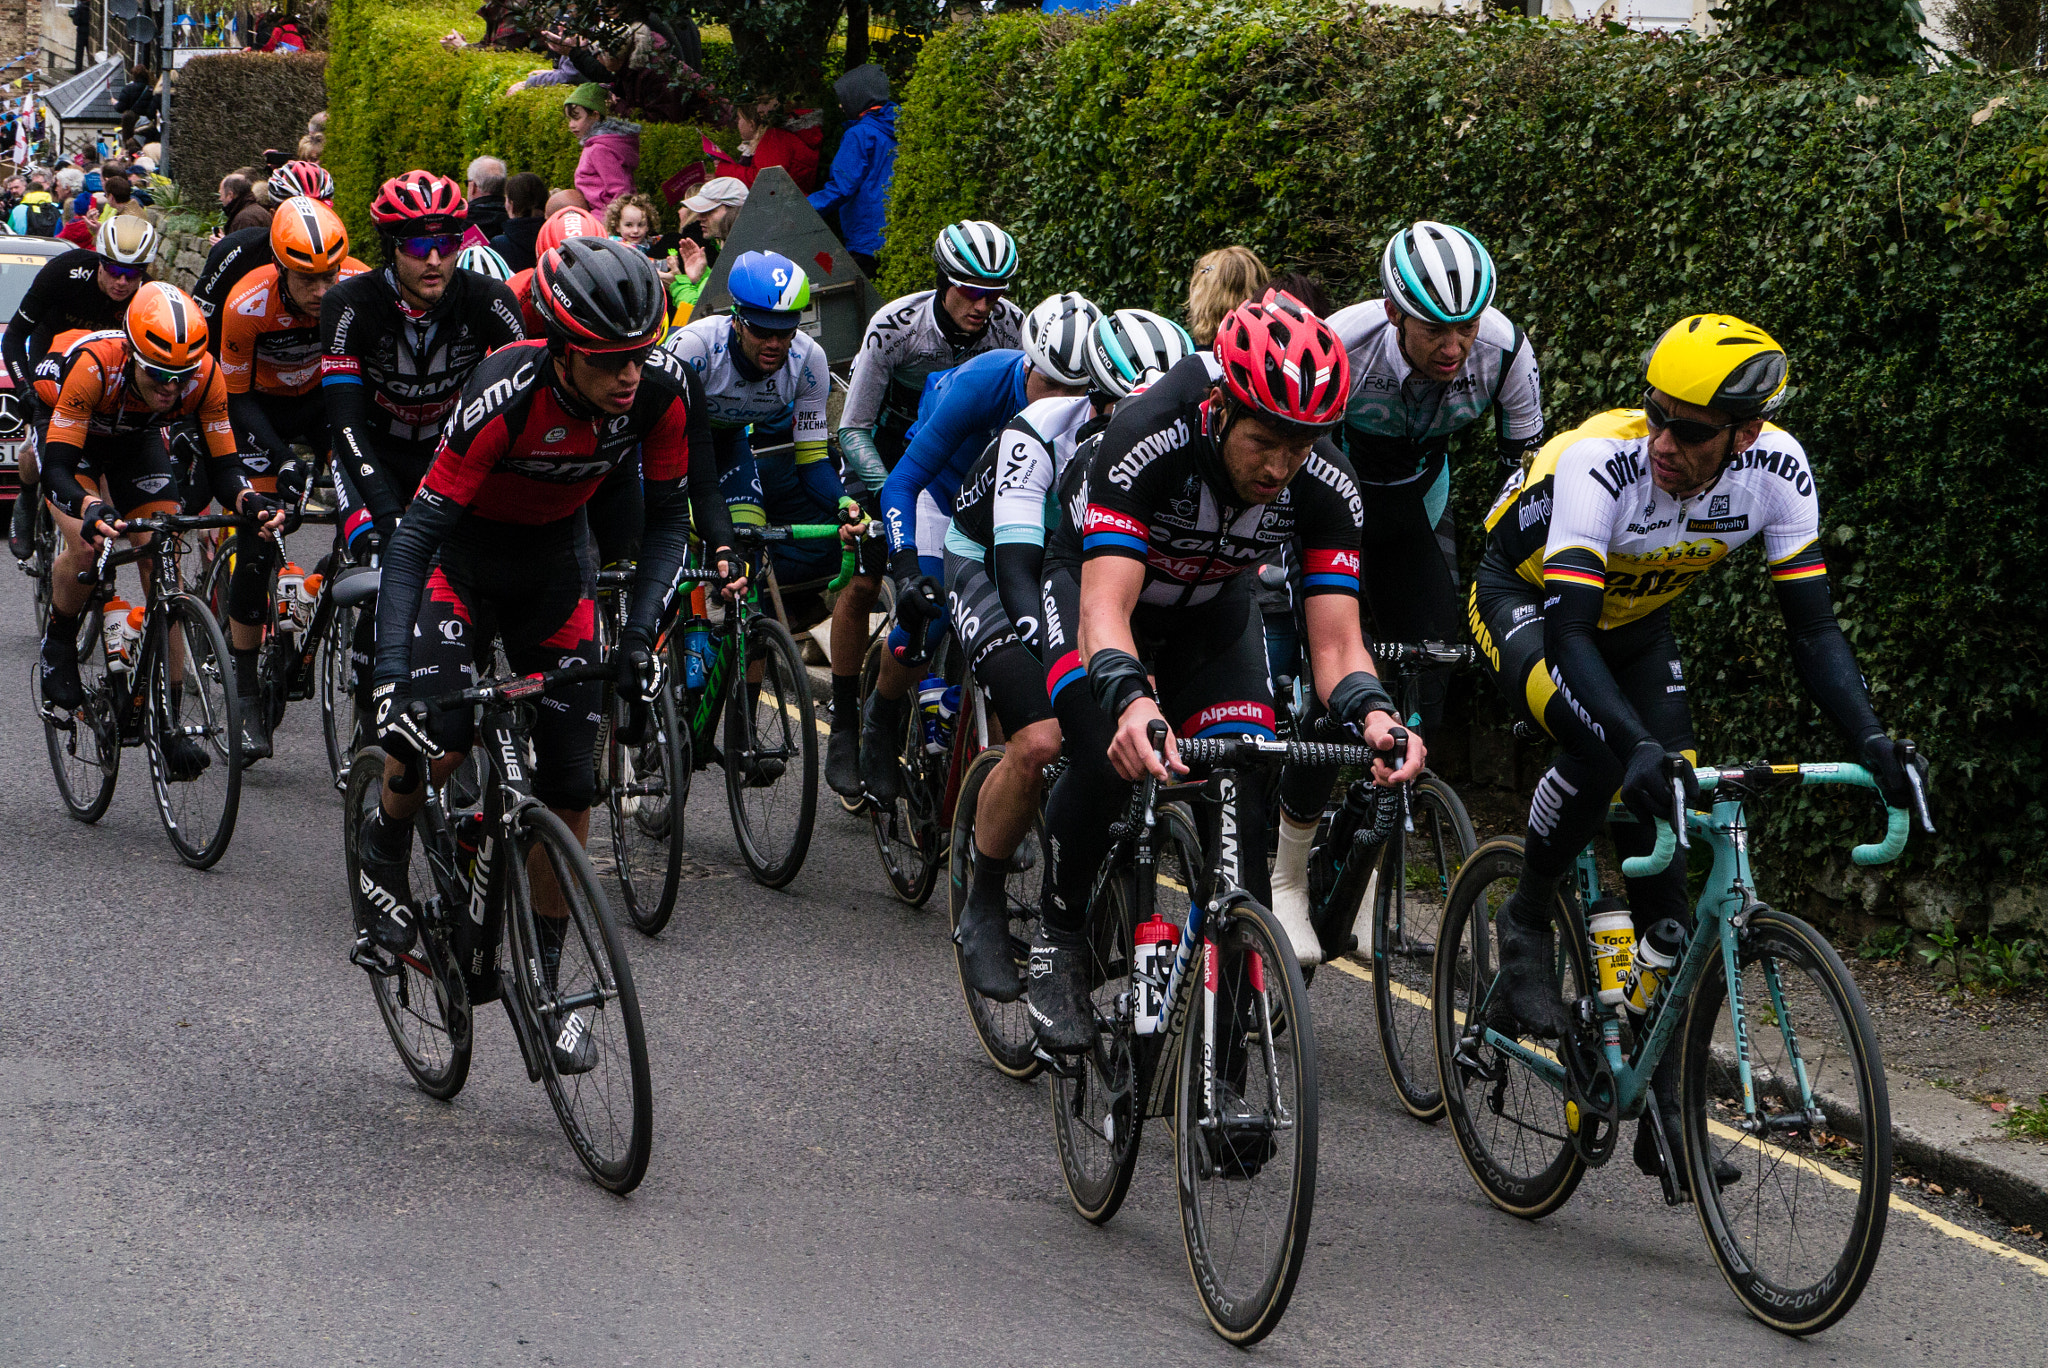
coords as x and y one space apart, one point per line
1155 733
1918 786
1400 753
1678 812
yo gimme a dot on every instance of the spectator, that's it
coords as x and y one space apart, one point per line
79 232
70 185
81 22
707 219
486 192
567 198
238 208
525 196
270 32
136 104
121 197
633 220
1306 289
611 147
9 197
1223 279
312 147
38 214
864 165
259 184
768 139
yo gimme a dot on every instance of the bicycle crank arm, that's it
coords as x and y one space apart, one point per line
529 1049
1667 1171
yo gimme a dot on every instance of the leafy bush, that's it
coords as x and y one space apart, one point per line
1621 181
226 110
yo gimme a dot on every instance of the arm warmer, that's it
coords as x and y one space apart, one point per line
427 524
1116 678
1571 643
1821 655
857 448
1018 568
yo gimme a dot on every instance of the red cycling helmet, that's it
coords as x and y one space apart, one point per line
1282 362
302 178
418 200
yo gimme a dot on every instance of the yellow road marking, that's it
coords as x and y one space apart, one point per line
1898 1203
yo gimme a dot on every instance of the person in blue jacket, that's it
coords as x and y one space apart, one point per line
864 164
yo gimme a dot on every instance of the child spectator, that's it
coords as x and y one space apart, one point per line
633 220
611 147
864 164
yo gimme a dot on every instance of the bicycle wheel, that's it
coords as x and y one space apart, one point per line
423 1000
1245 1124
1509 1123
1004 1028
607 1111
43 559
192 696
217 572
908 835
644 788
340 723
85 754
1408 913
1798 1235
771 755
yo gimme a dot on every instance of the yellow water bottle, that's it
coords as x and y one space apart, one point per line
1614 940
1655 953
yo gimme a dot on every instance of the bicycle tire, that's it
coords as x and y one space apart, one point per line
1226 1198
1404 932
1465 960
1807 1175
644 788
86 756
1003 1028
338 716
45 544
907 835
424 1001
615 1022
208 680
779 725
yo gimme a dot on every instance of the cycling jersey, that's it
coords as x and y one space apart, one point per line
266 345
520 459
908 342
1156 491
233 257
99 421
49 371
961 412
64 296
390 375
791 398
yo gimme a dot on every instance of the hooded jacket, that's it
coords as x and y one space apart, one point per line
611 153
18 218
865 162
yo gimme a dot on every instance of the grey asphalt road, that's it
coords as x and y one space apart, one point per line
210 1154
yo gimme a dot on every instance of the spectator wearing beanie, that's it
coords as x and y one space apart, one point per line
611 147
864 164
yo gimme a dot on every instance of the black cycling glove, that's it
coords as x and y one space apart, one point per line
398 731
1886 760
640 671
1646 786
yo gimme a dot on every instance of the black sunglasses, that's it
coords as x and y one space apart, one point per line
768 334
612 362
1690 431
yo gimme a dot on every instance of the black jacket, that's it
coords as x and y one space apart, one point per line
515 244
487 212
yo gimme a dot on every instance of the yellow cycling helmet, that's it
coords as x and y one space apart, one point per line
1717 361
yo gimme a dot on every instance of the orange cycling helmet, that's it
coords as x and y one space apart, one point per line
306 236
165 328
564 224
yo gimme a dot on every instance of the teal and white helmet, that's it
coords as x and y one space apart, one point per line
1056 337
1133 347
975 252
1438 273
485 262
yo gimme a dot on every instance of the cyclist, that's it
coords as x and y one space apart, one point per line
81 289
911 340
270 357
485 262
248 249
1427 361
564 223
1196 481
961 413
495 546
995 551
764 375
107 460
1585 553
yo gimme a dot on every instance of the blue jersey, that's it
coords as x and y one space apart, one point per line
962 411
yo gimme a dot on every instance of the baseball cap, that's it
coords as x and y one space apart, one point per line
718 191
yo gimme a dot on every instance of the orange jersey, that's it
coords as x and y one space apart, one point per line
96 400
266 344
48 376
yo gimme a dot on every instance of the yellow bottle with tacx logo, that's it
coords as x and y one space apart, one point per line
1613 933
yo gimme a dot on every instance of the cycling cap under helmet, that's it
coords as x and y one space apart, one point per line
484 262
1056 337
1282 362
165 327
307 236
127 239
564 224
1437 273
1717 361
296 178
418 201
1133 347
975 252
596 295
768 290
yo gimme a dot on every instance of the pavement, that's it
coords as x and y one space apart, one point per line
209 1152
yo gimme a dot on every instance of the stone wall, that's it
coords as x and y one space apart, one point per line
182 256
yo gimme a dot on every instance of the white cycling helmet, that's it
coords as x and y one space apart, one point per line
1056 337
484 262
127 239
1438 273
1130 348
976 252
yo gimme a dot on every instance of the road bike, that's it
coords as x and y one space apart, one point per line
160 678
474 872
1201 1016
1780 1072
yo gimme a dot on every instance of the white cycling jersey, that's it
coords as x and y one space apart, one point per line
792 396
1010 494
906 345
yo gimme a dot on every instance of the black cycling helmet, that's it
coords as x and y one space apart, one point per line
597 295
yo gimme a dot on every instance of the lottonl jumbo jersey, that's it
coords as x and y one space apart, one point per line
791 396
1588 512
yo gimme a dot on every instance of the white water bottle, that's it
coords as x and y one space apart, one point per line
1157 941
111 622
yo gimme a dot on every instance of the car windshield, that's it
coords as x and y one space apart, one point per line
17 273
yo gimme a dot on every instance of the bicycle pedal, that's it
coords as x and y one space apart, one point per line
365 955
1065 1065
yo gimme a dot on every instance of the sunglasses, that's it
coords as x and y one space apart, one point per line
612 362
120 272
768 334
977 293
1689 431
447 244
159 375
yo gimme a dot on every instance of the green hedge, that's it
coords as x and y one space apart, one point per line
226 110
397 100
1621 181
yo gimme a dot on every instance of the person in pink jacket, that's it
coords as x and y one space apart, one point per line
611 147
